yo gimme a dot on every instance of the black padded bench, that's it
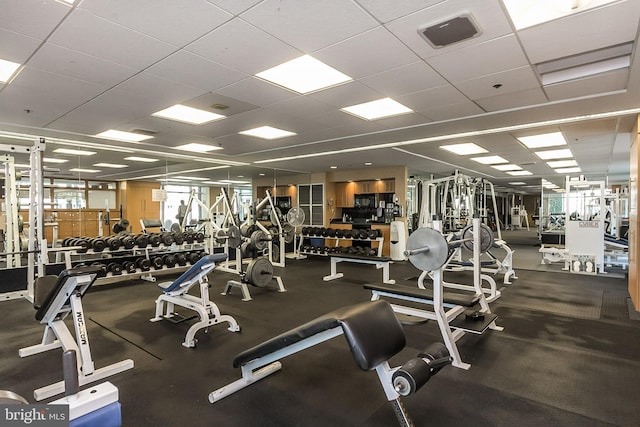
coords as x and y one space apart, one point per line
380 262
425 295
371 329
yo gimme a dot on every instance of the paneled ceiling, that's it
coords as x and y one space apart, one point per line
98 65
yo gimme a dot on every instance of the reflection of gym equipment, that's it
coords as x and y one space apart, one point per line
374 336
455 313
176 293
55 299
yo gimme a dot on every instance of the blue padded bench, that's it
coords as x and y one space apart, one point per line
380 262
176 293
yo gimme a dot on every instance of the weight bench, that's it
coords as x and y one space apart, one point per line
380 262
373 334
175 293
55 298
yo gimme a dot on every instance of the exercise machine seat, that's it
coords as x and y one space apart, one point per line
362 324
193 273
42 289
59 283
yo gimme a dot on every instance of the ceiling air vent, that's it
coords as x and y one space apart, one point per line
451 31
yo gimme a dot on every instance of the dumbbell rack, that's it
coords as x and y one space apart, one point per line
301 236
135 255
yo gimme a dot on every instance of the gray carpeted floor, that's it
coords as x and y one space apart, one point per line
568 356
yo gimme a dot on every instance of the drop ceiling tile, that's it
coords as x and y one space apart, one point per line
432 99
234 106
173 22
490 57
34 18
487 13
353 57
71 63
46 95
593 29
302 106
514 80
386 11
303 24
452 111
346 94
16 47
601 83
406 79
235 7
194 70
256 91
512 100
163 92
243 47
106 39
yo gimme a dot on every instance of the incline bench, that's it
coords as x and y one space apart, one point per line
373 334
379 261
55 298
176 293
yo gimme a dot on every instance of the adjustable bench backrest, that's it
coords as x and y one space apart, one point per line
151 223
363 326
70 282
192 276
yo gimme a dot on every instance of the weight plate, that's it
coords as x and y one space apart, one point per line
438 251
98 245
259 240
259 272
235 237
221 236
486 237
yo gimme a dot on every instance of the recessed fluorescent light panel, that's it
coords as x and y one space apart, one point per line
230 181
267 132
562 164
110 165
7 68
182 113
197 148
123 136
568 170
192 178
464 149
554 154
141 159
509 167
517 183
544 140
519 173
526 13
489 160
54 160
84 170
379 109
74 152
303 75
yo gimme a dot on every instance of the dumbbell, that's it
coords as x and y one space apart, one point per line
331 232
199 237
166 238
154 239
82 243
194 257
339 233
157 262
189 237
372 234
98 244
178 238
169 260
114 268
143 264
103 268
141 240
66 240
181 259
114 243
347 234
129 267
128 241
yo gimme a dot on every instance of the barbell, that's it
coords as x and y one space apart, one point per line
428 249
231 235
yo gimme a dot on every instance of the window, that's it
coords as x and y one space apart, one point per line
311 201
178 193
